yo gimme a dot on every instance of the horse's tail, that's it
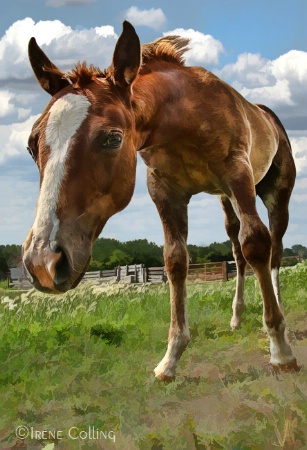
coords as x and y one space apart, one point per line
277 120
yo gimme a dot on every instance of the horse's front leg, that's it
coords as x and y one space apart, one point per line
172 208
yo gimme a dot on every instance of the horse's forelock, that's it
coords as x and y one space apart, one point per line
81 75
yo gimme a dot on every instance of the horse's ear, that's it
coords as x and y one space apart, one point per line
127 56
48 75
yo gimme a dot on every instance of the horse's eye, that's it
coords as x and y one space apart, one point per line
111 139
32 153
33 146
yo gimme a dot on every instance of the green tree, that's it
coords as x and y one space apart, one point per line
102 251
95 265
288 252
300 250
11 254
3 265
118 258
144 252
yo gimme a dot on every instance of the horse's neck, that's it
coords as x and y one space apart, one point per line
156 100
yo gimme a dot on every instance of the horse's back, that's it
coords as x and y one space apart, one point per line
244 126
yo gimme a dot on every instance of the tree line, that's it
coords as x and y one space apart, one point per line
109 253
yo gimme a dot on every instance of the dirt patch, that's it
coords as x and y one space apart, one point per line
300 335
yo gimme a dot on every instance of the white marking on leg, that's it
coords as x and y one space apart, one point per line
176 344
238 302
175 348
281 352
65 117
276 286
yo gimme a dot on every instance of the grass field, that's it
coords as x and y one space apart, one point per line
77 370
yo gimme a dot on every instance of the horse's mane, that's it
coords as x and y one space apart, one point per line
167 48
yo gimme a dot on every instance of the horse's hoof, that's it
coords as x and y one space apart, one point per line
161 376
235 324
275 369
165 378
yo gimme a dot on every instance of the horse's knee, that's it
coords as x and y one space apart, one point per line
256 243
176 261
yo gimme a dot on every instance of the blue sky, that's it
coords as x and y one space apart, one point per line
259 47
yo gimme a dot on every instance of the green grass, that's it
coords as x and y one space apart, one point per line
3 284
86 358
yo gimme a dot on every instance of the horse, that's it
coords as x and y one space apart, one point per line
196 134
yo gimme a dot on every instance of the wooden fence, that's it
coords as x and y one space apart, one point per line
216 271
138 273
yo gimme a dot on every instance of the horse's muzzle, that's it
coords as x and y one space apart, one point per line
50 267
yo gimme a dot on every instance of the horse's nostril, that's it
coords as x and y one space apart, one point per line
62 269
54 247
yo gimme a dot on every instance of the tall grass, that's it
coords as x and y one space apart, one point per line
85 359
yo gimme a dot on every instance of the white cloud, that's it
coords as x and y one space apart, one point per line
23 113
15 138
17 208
291 65
13 45
96 45
9 104
58 3
279 94
6 107
299 148
280 83
63 45
301 183
203 49
25 98
248 69
152 18
300 198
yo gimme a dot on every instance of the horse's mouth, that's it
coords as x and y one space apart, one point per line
55 288
59 281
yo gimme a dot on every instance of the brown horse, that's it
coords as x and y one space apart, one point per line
195 134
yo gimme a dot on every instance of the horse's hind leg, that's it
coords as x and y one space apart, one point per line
255 243
232 225
275 191
172 208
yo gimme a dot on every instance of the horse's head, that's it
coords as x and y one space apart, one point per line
84 146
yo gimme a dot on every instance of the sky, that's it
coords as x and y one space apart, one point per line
259 47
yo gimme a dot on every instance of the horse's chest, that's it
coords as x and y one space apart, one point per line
185 169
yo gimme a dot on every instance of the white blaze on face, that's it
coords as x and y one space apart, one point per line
65 117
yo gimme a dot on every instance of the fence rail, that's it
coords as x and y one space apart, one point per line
138 273
208 271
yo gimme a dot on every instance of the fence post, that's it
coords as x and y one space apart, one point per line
144 273
118 274
224 271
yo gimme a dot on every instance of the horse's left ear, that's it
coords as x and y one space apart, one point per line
48 75
127 56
